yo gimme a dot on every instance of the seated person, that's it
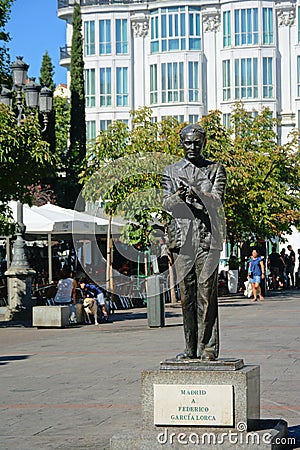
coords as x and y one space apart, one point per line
93 291
66 289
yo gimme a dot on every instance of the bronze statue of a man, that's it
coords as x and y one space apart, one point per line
193 192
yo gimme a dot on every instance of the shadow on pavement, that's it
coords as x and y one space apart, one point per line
121 315
6 359
233 305
15 324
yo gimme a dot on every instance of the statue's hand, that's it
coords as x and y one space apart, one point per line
182 191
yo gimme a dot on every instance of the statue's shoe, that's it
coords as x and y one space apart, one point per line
185 355
207 356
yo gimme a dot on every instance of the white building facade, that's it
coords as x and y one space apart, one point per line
184 59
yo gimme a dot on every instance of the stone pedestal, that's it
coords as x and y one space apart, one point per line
50 316
196 390
214 403
19 282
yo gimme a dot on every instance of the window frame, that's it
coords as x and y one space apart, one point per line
105 45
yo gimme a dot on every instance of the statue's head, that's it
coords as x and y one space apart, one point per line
193 141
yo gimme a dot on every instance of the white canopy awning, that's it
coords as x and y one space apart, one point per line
49 220
54 219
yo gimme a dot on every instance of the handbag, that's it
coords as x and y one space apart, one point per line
248 289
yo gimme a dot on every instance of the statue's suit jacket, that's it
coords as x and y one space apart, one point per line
201 217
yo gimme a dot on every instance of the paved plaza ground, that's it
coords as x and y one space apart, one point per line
74 388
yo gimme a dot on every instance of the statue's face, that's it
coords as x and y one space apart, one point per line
193 144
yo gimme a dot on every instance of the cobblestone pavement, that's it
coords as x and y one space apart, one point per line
74 388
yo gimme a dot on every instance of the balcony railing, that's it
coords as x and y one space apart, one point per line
65 52
67 3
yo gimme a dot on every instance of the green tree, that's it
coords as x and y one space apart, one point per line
23 155
62 127
47 72
46 79
262 199
124 169
77 149
5 9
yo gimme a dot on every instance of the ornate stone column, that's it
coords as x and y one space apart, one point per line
140 27
286 13
19 275
211 25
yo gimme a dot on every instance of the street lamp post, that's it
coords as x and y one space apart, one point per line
19 274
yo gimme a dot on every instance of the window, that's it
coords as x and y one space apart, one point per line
122 86
126 121
105 86
194 82
226 120
179 118
193 118
89 38
121 37
104 124
298 76
89 78
105 37
226 29
298 23
172 29
246 26
153 83
226 79
90 130
246 79
267 78
154 33
267 26
194 29
172 82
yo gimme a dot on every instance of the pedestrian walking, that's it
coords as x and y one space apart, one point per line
256 274
285 279
290 266
298 271
276 265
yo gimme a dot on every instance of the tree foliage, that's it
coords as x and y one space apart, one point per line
124 169
46 79
47 72
62 127
262 197
77 149
5 9
23 154
42 194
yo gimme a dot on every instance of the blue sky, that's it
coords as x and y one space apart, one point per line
34 28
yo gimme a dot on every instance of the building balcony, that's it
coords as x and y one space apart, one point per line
70 3
65 56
